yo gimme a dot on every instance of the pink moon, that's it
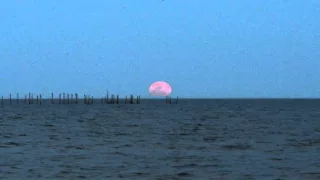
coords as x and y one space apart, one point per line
160 88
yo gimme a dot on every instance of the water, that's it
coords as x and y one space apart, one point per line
196 139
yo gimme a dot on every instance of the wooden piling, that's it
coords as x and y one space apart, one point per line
76 98
107 97
68 100
25 99
60 98
37 99
131 99
40 99
71 98
51 98
168 100
29 98
63 98
87 99
117 99
10 98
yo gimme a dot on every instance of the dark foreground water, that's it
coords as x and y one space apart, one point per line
199 139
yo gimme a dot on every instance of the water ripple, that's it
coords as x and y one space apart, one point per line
221 139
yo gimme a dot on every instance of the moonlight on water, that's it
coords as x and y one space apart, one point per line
160 88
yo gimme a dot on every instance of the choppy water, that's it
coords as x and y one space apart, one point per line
199 139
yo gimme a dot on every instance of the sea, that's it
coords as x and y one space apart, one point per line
219 139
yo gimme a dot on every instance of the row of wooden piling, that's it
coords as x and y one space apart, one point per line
115 100
169 100
65 98
30 99
112 100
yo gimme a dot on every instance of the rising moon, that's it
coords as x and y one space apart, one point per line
160 88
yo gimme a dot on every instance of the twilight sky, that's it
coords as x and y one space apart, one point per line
203 48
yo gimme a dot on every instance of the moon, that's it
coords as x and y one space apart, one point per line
160 88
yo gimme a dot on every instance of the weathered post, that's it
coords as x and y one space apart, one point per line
112 99
117 99
63 98
107 97
131 99
76 98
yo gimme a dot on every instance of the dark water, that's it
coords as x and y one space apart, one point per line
200 139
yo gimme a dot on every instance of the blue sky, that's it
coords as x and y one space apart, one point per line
203 48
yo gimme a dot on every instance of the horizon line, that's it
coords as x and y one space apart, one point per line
183 98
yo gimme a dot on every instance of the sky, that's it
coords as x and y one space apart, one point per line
203 49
